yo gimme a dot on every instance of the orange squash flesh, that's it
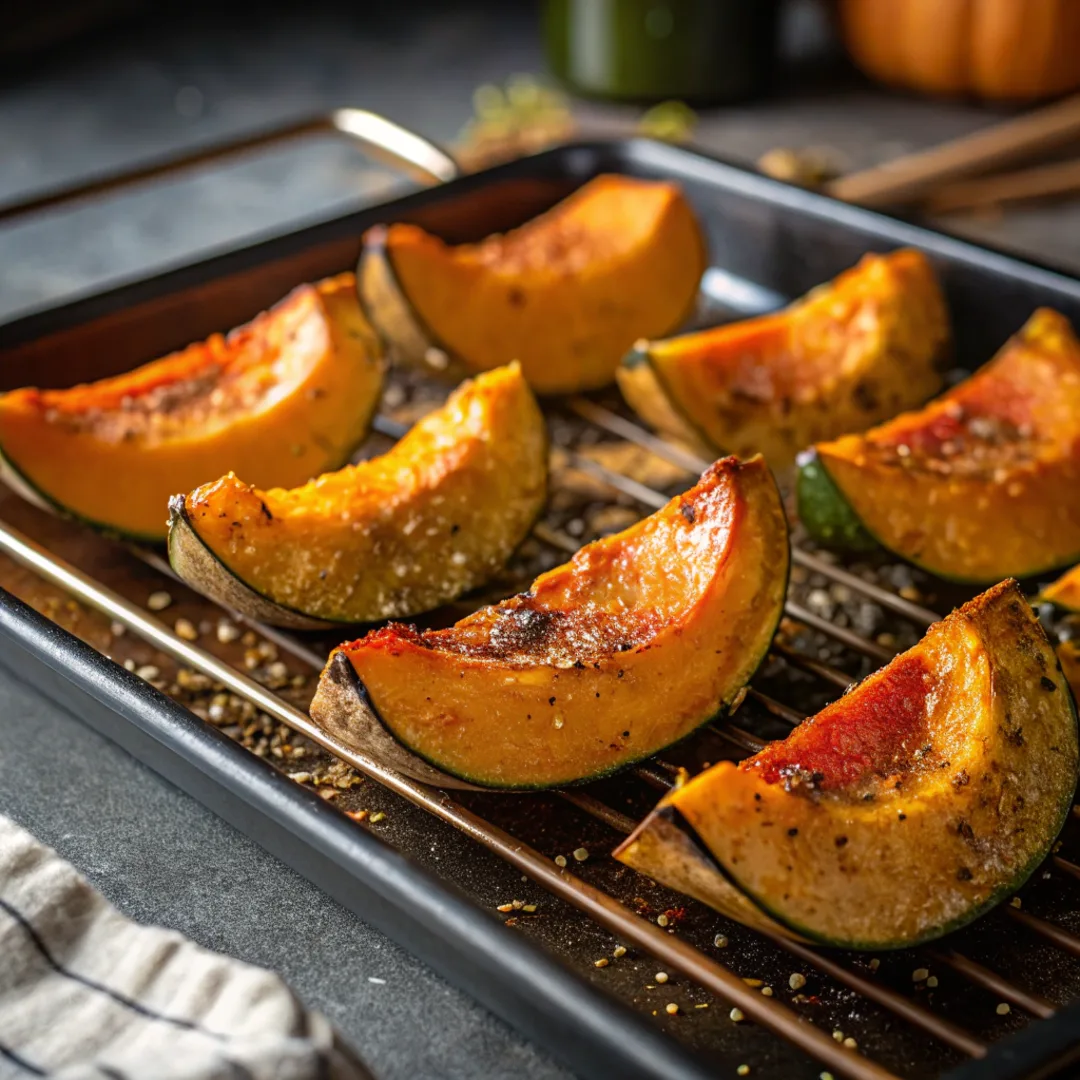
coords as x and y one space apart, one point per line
852 353
1065 592
983 483
566 294
913 803
639 639
394 536
281 399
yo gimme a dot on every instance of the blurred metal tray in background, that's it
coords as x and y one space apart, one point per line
471 882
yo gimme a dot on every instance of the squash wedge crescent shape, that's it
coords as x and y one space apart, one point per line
281 399
399 534
848 355
641 638
566 294
981 484
907 808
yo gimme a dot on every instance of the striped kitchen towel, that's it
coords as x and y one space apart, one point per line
87 994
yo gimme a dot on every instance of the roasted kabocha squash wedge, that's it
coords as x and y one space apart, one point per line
641 638
566 294
394 536
981 484
281 399
900 812
848 355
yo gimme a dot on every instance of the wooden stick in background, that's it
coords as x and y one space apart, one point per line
1058 178
911 177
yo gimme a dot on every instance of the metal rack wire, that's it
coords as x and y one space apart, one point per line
608 911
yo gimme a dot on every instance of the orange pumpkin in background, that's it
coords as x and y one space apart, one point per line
1019 50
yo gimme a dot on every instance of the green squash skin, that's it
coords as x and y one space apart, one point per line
1007 888
720 712
823 510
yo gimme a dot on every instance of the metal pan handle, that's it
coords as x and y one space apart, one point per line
384 140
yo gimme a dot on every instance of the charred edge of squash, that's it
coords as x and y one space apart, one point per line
403 333
827 515
651 398
343 709
200 567
26 489
682 842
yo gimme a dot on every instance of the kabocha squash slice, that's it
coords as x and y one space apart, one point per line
850 354
566 294
641 638
903 810
981 484
281 399
391 537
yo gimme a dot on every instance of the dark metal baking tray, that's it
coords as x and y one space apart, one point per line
769 242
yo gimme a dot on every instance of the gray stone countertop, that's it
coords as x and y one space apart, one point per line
136 94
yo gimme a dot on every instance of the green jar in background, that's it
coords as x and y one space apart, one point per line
698 51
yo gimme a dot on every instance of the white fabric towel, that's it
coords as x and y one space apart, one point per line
87 994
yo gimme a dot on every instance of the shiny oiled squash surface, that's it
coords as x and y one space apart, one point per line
280 400
913 803
566 294
638 640
983 483
850 354
393 536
